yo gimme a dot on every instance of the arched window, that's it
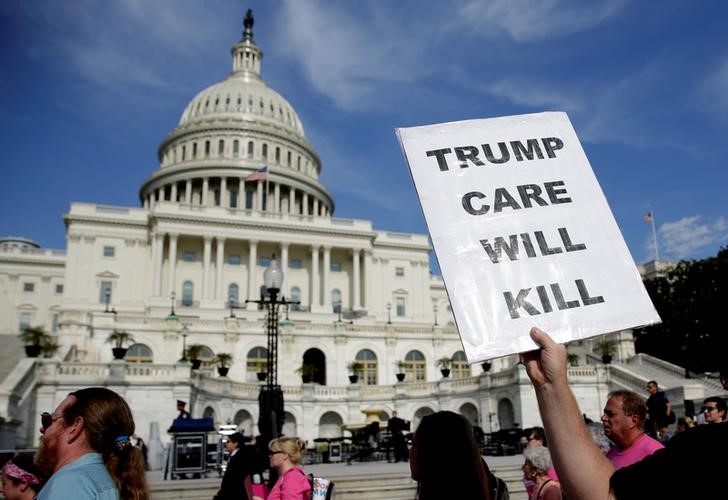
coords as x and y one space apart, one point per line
336 299
460 366
265 151
236 148
220 147
250 149
256 362
278 154
207 356
369 363
232 294
139 353
415 366
295 297
187 290
288 159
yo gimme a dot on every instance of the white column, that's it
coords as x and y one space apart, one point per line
146 203
219 254
157 246
259 196
205 191
207 250
151 200
315 295
304 204
173 194
172 261
252 259
326 281
223 193
367 279
315 207
241 194
276 197
292 200
356 295
284 263
188 191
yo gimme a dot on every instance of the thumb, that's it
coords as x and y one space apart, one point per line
541 338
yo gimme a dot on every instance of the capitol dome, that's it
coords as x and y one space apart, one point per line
230 130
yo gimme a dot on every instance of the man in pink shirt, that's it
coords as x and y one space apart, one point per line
624 424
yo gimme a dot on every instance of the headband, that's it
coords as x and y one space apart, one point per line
122 441
12 470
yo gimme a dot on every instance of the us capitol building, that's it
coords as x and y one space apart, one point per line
168 270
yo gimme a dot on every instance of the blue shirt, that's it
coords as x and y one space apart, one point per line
83 479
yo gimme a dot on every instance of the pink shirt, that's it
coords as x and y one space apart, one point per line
644 446
293 485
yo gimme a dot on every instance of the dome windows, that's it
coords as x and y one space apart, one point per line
220 148
250 149
236 148
265 151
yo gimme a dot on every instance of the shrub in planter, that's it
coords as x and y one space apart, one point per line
445 364
193 353
223 360
607 348
356 370
119 338
34 337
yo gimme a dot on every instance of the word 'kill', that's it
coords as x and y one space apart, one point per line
520 301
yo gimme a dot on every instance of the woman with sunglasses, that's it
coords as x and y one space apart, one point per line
285 455
21 479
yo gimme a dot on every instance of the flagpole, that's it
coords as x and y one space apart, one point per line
654 236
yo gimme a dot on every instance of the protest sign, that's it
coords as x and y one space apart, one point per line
522 232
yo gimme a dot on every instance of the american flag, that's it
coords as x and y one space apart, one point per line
647 217
259 175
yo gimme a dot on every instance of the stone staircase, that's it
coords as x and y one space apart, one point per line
357 482
12 351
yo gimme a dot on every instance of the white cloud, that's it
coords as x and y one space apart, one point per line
532 94
531 20
680 239
346 55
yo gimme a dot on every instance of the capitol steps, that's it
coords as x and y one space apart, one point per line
352 483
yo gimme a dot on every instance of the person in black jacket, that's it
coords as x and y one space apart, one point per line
239 466
396 427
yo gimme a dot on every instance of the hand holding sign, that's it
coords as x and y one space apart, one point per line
522 233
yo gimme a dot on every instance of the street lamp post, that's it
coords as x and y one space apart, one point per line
389 313
107 295
172 297
270 399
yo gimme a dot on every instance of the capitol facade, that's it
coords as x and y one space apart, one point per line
237 184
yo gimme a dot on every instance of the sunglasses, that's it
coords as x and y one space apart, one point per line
709 408
46 419
271 453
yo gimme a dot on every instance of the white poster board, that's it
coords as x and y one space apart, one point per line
523 233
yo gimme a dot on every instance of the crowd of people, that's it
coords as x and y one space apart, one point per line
88 449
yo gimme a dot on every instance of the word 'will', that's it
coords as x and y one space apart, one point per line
511 249
470 155
520 300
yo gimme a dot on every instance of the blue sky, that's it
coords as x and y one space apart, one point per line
89 88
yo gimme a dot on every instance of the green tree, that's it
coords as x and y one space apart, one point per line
690 301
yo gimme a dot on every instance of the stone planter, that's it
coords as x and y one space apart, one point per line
353 379
119 352
223 371
32 351
606 358
262 376
486 366
196 363
400 377
445 372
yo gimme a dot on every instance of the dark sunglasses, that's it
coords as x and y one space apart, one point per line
46 419
271 452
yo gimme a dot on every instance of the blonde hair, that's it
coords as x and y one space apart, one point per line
293 447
